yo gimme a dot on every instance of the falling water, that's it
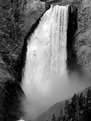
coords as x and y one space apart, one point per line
46 55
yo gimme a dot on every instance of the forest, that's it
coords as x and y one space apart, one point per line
76 109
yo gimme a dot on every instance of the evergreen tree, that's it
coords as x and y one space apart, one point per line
73 107
89 99
77 114
61 117
81 101
79 109
67 111
54 117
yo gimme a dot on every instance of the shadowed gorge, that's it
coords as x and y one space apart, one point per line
72 28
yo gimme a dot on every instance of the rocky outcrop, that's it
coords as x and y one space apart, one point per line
13 44
11 41
10 94
15 23
12 101
83 35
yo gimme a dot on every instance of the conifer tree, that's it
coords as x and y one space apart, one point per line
77 114
81 101
54 117
67 111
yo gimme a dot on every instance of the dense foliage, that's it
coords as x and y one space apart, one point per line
78 109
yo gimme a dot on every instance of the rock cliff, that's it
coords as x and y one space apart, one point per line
15 28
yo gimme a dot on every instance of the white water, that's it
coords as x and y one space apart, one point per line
46 53
45 80
45 67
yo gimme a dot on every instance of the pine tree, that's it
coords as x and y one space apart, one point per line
54 117
81 101
67 111
73 106
77 114
89 99
61 115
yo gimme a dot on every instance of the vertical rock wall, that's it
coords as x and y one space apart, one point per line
83 35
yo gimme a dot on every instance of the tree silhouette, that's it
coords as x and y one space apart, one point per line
67 111
78 108
54 117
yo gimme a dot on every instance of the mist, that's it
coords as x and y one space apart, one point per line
46 79
39 99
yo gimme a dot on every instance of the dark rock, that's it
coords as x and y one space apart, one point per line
12 60
72 28
13 50
12 101
47 6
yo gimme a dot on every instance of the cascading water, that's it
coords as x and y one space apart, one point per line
46 56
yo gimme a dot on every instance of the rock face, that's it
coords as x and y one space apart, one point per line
15 21
83 35
79 43
10 94
10 46
12 101
13 46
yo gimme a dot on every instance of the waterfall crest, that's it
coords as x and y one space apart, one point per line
46 53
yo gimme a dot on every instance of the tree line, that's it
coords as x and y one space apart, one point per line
76 109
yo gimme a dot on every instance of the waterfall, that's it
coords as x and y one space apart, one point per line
46 53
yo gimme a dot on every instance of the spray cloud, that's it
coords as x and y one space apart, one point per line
46 79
